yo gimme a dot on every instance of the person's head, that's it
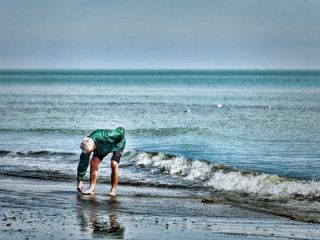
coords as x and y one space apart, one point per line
87 145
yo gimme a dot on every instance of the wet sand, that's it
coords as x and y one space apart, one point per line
36 209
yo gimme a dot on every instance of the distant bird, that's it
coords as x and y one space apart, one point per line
187 110
269 107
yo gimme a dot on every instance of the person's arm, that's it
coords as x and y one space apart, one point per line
82 166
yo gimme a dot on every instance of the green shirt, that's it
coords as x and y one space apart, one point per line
106 141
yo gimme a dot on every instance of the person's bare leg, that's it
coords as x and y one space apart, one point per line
114 177
80 186
94 164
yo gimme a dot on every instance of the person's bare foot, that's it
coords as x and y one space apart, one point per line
80 187
113 192
89 192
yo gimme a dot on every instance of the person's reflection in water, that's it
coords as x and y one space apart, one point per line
99 218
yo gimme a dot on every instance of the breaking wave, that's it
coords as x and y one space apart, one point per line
220 177
177 170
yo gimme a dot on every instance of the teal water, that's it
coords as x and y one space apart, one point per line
261 122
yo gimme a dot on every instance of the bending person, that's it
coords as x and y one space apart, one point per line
101 142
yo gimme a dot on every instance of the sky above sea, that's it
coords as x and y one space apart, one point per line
175 34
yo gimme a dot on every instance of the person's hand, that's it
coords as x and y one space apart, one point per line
80 186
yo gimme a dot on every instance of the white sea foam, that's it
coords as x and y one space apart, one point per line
216 176
198 171
178 165
219 105
263 184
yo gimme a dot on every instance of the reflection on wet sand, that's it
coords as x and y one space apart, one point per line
99 218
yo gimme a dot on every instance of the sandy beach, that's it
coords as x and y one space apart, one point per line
37 209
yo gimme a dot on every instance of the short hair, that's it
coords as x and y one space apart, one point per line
87 144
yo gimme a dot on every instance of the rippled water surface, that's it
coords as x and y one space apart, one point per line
258 127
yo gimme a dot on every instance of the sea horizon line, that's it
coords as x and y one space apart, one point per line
160 69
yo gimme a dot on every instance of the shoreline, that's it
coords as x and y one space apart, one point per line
36 209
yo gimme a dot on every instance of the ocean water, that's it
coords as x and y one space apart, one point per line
253 132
